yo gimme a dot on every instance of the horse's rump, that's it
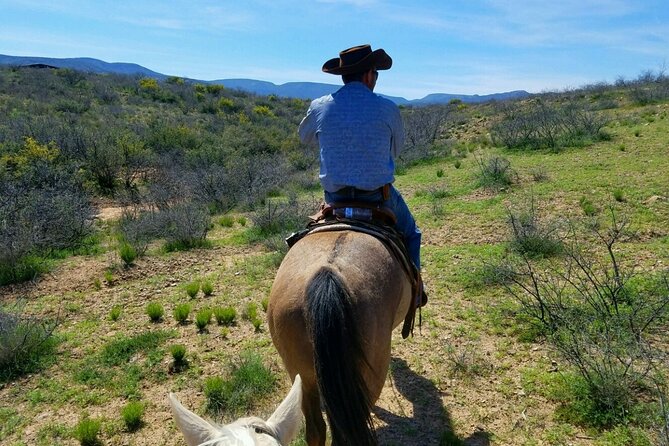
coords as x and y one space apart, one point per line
336 298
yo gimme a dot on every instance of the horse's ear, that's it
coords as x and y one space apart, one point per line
287 418
195 429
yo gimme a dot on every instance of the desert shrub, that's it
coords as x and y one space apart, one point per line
495 173
43 209
132 414
249 381
281 217
155 311
649 87
600 317
138 227
544 124
26 343
187 227
87 431
530 236
181 313
540 175
225 315
422 127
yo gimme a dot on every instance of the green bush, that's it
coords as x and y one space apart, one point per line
127 253
602 319
587 206
251 311
115 312
181 313
227 221
530 237
202 318
249 381
619 195
207 288
132 414
225 316
192 289
178 352
87 431
155 311
495 173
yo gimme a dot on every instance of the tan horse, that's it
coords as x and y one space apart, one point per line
336 298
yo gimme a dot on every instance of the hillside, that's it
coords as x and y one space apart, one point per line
478 371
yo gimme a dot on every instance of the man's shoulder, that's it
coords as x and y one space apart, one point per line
320 101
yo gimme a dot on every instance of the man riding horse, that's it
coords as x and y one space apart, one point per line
359 134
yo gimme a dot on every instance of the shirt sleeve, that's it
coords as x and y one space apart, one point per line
307 128
397 129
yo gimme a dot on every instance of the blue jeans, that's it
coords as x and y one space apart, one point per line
406 224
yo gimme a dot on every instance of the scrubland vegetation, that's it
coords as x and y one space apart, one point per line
546 253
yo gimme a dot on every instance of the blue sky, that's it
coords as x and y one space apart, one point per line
447 46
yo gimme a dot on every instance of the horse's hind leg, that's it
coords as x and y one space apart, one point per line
311 406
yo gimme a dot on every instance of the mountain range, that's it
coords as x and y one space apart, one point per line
301 90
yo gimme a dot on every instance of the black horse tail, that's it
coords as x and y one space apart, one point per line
339 360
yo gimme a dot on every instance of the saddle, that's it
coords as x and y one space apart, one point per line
377 221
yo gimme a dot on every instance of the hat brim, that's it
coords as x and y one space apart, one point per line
378 59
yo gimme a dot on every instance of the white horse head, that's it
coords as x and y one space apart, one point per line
279 430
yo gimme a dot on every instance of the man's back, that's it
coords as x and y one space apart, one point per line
359 134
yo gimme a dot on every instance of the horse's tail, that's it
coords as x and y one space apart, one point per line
339 360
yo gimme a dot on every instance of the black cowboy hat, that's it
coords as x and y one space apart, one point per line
358 59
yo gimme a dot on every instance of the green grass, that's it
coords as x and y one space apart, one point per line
202 318
250 380
181 313
155 311
87 431
225 315
122 349
192 288
207 288
132 414
178 352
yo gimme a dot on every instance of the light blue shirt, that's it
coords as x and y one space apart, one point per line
359 133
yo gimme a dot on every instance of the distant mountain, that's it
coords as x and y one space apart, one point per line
301 90
86 64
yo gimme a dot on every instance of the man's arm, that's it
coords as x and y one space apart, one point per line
307 128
